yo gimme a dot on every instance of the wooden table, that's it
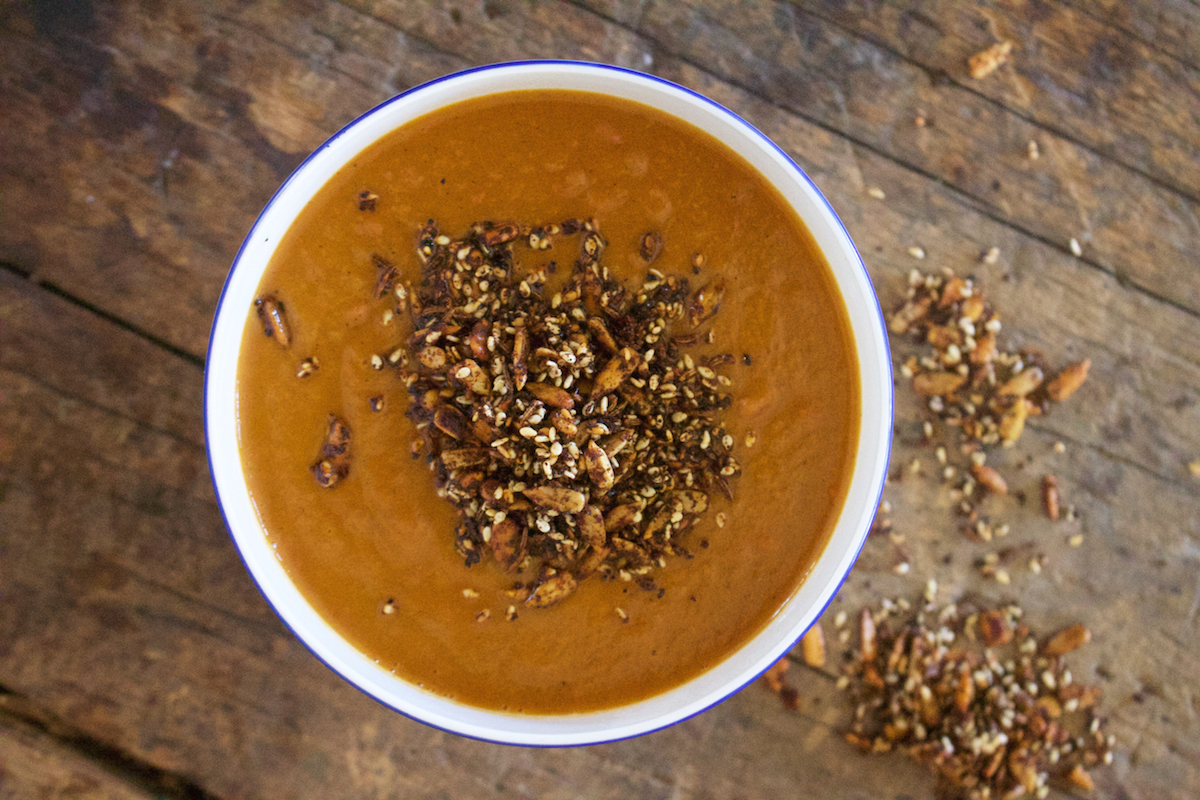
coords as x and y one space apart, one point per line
138 141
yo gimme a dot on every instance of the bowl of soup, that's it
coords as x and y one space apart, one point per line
548 403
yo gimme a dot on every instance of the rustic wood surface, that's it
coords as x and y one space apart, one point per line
138 140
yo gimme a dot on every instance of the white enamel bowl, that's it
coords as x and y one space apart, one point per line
793 619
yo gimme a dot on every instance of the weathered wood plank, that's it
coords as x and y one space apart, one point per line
152 632
127 612
1124 222
1172 26
261 698
34 766
138 151
895 225
128 376
223 96
1071 74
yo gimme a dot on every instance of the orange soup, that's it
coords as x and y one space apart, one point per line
376 552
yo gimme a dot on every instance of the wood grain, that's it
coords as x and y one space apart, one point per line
34 766
141 139
1125 223
1172 26
144 151
1082 79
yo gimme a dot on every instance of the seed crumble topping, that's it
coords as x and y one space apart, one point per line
569 425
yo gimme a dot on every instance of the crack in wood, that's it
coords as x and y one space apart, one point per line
1086 10
15 269
16 709
124 325
950 80
92 404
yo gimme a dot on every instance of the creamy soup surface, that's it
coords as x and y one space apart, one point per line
375 554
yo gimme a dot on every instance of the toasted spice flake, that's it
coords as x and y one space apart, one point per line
1080 779
1067 381
1066 640
1050 500
988 718
989 479
274 318
994 628
775 680
985 62
650 246
706 302
553 590
813 646
334 462
367 200
570 427
385 279
307 367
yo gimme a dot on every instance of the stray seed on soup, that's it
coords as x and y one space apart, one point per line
274 319
334 463
651 246
307 367
367 200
